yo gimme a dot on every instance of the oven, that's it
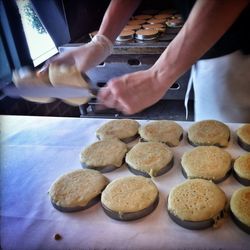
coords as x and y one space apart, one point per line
129 55
84 18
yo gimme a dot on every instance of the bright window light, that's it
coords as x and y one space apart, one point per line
40 44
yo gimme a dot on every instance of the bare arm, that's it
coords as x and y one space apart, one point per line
116 17
208 21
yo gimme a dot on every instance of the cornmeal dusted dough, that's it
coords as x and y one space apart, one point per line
208 162
196 200
77 188
25 77
122 129
129 194
240 205
208 133
104 153
168 132
243 134
242 166
65 75
149 157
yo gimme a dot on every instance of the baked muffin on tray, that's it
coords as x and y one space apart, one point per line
240 208
104 156
125 35
77 190
168 132
142 17
209 133
196 204
125 130
146 34
206 162
130 198
149 159
243 136
241 169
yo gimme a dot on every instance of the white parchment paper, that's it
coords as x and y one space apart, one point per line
37 150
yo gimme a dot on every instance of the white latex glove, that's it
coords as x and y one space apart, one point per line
86 56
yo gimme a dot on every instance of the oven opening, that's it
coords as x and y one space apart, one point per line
134 62
175 86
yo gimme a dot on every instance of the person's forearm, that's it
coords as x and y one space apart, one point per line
207 22
116 17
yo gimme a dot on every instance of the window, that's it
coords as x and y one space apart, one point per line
40 44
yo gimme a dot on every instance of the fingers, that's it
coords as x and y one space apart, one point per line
106 97
112 98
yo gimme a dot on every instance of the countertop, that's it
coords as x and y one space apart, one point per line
37 150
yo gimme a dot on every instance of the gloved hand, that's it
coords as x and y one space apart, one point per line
86 56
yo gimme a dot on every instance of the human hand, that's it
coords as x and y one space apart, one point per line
133 92
84 57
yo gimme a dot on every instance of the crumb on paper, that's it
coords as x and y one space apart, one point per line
57 237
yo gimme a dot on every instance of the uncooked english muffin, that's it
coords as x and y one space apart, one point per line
149 159
168 132
209 133
240 208
104 156
207 162
130 198
125 130
77 190
243 135
241 169
196 204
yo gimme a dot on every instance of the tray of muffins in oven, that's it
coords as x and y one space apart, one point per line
145 27
146 150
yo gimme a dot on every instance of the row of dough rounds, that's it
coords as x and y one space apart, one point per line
194 204
151 154
203 133
133 197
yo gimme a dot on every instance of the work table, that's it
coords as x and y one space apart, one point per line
37 150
